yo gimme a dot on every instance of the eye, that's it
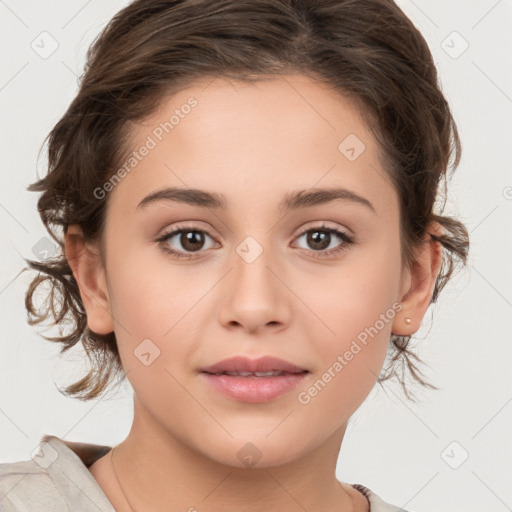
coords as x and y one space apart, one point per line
190 240
322 237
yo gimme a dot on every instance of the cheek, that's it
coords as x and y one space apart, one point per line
353 296
152 307
358 304
155 336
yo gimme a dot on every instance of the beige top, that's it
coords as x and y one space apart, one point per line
56 479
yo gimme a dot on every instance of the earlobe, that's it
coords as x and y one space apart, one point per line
420 283
85 262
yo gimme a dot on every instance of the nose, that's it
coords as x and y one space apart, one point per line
254 293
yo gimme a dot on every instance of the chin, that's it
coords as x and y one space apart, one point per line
260 453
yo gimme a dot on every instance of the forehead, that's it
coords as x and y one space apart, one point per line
243 139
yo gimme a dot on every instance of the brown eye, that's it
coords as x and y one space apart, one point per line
318 240
191 240
182 242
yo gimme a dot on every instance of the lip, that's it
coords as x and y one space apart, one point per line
254 389
245 364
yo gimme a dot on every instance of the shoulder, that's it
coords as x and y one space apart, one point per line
55 478
25 485
377 504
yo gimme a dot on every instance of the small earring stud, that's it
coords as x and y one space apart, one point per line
407 320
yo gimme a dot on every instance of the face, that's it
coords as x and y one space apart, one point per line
316 283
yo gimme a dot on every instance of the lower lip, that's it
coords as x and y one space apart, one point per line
255 389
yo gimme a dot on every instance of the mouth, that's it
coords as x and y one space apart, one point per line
275 373
242 366
253 381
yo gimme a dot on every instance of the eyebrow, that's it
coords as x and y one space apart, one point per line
293 201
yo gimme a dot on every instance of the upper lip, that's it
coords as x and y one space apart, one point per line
245 364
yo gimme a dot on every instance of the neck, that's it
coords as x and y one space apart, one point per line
157 471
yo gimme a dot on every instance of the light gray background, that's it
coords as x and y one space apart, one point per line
396 448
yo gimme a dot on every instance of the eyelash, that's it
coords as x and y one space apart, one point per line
347 240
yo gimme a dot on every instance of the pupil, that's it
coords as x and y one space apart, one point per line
192 240
319 239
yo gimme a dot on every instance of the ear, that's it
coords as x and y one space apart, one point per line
85 262
419 282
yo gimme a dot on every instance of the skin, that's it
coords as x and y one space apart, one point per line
254 144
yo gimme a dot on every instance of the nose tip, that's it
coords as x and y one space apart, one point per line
252 297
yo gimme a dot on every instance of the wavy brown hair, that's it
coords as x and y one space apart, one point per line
368 50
